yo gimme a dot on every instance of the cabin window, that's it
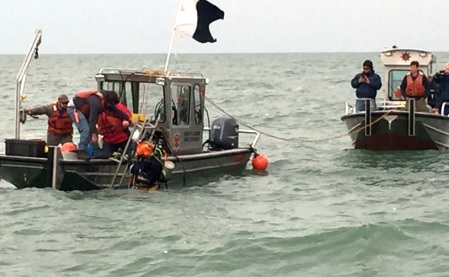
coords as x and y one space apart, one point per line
150 99
181 97
198 105
141 98
394 81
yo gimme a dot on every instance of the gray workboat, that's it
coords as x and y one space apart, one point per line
194 146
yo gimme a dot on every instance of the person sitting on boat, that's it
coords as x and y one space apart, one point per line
441 78
60 129
182 107
415 85
114 130
366 83
85 108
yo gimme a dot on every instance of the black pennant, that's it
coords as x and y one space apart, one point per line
207 13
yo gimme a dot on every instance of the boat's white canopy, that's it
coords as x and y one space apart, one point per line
396 57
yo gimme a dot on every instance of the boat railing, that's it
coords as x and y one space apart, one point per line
382 105
443 108
349 108
392 105
242 131
21 76
185 74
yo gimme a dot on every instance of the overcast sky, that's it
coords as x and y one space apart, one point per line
144 26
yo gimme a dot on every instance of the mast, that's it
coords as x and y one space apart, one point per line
20 79
172 37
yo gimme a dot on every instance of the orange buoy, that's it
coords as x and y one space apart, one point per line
68 147
259 162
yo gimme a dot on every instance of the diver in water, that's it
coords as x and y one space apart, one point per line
147 172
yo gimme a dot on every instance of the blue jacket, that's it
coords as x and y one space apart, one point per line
365 90
442 94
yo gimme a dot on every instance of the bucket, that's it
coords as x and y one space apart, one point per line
168 168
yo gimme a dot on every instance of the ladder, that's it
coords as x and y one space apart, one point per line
142 128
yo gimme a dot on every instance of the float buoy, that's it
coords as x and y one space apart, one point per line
260 162
68 147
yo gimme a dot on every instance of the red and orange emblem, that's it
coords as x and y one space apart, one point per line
405 56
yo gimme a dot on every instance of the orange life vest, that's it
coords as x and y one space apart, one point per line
86 93
60 124
415 87
108 124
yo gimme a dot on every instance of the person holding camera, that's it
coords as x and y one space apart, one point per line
415 85
366 83
441 78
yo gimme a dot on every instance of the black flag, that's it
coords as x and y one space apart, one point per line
194 19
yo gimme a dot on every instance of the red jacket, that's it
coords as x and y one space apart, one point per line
111 127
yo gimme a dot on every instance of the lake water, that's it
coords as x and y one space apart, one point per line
323 209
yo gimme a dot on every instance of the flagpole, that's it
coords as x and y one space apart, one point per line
172 37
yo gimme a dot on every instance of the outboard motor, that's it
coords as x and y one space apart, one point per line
224 133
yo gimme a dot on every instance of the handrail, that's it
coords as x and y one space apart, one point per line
20 79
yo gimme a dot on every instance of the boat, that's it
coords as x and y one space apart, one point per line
391 126
193 145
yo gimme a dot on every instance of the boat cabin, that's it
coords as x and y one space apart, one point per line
173 103
396 64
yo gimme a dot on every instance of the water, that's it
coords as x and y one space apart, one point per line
324 209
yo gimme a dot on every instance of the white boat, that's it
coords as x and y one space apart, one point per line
391 126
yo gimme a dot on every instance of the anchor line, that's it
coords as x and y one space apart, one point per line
298 139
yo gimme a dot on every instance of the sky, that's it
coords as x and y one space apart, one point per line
249 26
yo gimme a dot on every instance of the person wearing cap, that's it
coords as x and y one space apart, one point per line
366 83
60 129
415 86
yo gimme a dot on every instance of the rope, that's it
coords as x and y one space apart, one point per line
298 139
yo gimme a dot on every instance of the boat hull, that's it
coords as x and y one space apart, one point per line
67 175
396 130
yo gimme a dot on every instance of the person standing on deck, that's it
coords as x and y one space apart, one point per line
114 130
366 83
60 128
85 108
415 85
441 78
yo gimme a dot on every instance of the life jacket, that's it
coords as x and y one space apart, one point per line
108 124
60 124
85 109
111 127
415 87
